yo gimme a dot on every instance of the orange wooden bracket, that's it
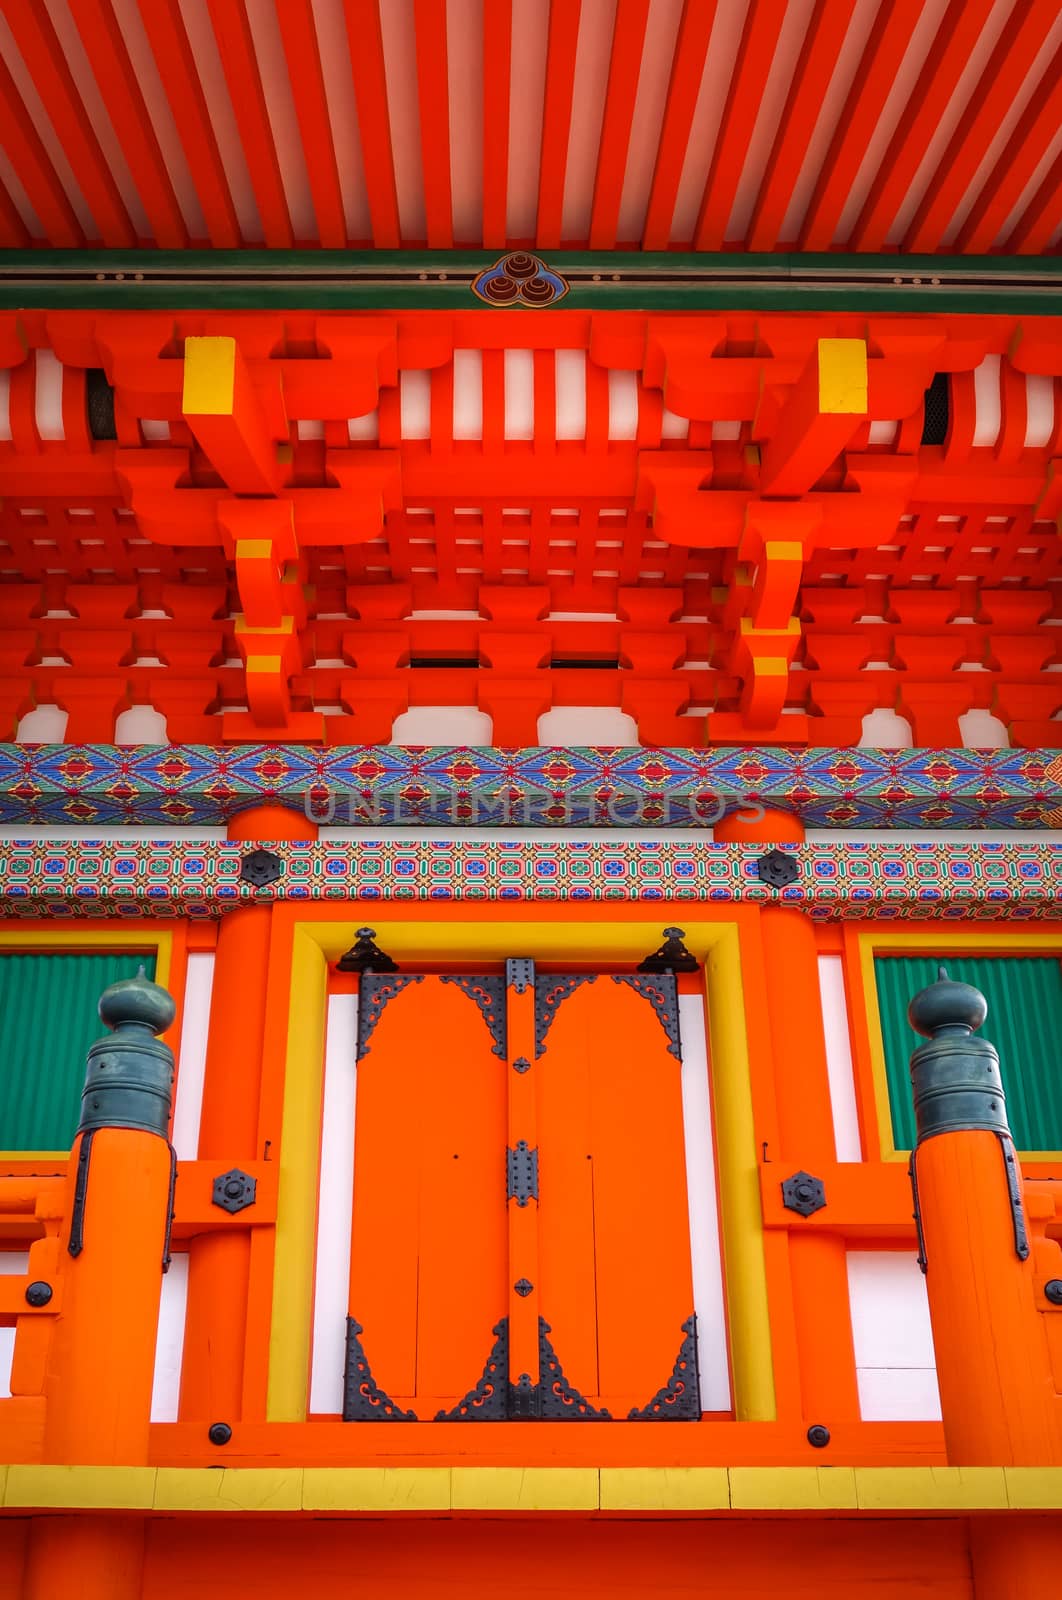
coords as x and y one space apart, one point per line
806 431
195 1211
221 405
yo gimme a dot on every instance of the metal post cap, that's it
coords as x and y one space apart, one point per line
947 1005
954 1077
129 1075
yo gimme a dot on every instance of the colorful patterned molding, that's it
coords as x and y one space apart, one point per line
381 785
139 878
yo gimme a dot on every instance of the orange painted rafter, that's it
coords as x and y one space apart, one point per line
39 46
873 82
996 91
624 70
30 160
102 40
811 79
957 35
755 53
687 69
1040 220
497 69
166 34
298 35
556 120
236 48
14 235
433 98
1024 151
374 123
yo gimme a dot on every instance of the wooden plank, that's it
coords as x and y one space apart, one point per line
695 30
497 75
433 97
374 122
236 48
755 54
625 64
303 56
556 119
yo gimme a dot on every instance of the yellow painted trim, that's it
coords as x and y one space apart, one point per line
715 943
843 377
209 376
735 1491
161 941
289 1343
885 942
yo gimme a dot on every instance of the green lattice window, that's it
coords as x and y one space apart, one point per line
48 1019
1024 995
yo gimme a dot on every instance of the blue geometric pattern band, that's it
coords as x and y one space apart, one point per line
138 878
457 787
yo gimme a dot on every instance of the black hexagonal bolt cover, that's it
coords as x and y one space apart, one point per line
235 1190
1053 1291
261 868
803 1194
818 1436
778 869
219 1433
38 1294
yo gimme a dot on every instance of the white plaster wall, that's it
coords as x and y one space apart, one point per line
191 1064
169 1345
895 1363
332 1270
459 725
593 725
705 1248
839 1068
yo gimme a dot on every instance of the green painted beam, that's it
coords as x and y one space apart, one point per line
341 280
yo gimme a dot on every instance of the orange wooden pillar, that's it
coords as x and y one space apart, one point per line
817 1259
997 1392
102 1362
219 1263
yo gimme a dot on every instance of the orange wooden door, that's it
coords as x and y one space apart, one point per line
428 1273
614 1283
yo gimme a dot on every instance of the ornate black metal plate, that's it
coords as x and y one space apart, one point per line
489 996
375 989
363 1400
672 955
777 868
661 991
365 955
261 868
76 1242
519 973
488 1401
550 993
680 1398
521 1173
558 1401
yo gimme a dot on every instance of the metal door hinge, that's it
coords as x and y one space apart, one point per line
521 1169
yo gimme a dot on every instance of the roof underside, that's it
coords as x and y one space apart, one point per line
861 125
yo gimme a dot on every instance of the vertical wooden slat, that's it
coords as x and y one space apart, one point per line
433 98
556 119
995 92
874 80
948 55
38 177
374 122
236 48
36 38
755 54
625 64
105 48
810 81
691 51
168 39
497 72
302 53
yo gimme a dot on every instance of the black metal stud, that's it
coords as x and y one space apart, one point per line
803 1194
672 955
235 1190
521 1064
219 1433
38 1294
818 1436
1052 1291
365 955
523 1287
778 869
261 868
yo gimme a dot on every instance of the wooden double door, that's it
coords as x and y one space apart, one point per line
520 1243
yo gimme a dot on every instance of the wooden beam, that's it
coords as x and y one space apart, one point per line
556 119
755 54
236 48
302 53
433 98
108 57
1013 171
625 65
166 35
687 70
374 121
497 77
1039 222
30 160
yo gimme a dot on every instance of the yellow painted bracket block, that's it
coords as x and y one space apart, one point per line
843 377
224 411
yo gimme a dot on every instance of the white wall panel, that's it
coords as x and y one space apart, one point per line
895 1363
839 1069
191 1064
705 1247
11 1261
332 1270
169 1346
